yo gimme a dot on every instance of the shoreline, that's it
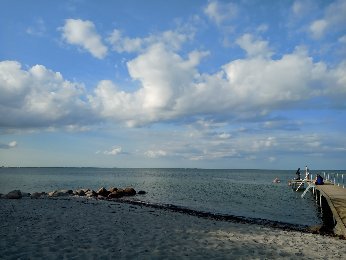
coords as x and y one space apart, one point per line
316 229
88 228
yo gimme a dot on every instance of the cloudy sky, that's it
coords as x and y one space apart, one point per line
210 84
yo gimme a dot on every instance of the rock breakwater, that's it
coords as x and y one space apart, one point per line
101 193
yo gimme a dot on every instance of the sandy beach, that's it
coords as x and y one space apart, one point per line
80 228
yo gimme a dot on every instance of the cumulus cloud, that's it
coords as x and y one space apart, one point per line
172 87
253 47
38 97
164 77
170 39
84 34
220 12
10 145
333 19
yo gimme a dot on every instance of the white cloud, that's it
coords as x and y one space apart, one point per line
318 28
171 86
261 144
253 47
334 18
170 39
38 97
224 136
10 145
302 7
155 153
124 44
262 28
220 12
83 33
115 150
272 159
164 77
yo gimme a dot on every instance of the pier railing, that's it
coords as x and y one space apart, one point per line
338 179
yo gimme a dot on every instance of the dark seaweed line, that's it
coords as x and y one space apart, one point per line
219 217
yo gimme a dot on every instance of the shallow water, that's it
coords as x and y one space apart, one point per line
247 193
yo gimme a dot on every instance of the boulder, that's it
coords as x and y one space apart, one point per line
26 194
113 189
103 192
141 192
15 194
79 192
36 195
100 197
60 193
121 192
116 194
91 193
51 194
129 191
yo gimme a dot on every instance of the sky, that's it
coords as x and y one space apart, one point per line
201 84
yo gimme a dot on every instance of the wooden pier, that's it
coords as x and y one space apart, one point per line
335 197
331 197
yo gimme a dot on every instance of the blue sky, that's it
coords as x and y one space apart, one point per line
209 84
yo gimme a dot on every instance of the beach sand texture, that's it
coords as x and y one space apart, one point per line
79 228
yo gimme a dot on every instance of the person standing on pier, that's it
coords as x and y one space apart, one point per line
307 174
298 174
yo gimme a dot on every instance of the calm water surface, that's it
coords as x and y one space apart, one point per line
248 193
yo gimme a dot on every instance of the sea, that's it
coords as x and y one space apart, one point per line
243 193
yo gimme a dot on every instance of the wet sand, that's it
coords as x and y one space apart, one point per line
80 228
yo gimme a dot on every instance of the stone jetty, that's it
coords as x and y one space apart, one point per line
102 193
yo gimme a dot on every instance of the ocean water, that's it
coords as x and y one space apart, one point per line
246 193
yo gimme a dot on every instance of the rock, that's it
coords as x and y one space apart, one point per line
91 193
113 189
26 194
116 194
51 194
141 192
36 195
101 197
60 193
79 192
129 191
15 194
103 192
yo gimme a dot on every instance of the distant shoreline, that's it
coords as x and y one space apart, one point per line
164 168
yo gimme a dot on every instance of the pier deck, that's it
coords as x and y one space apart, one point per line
336 198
